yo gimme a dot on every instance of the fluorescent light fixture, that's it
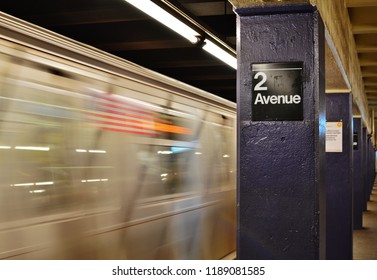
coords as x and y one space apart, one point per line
91 151
94 180
32 148
44 183
215 50
23 185
166 19
164 152
5 147
97 151
37 191
49 183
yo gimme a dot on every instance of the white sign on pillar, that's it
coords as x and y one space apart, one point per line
334 137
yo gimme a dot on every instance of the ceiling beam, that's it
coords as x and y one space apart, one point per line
367 59
207 77
370 80
185 63
369 74
206 8
144 45
366 49
360 3
370 84
364 29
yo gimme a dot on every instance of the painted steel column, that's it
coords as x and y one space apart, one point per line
374 167
339 180
370 183
281 195
357 174
365 169
370 169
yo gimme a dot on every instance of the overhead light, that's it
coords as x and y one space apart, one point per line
37 191
44 183
94 180
97 151
23 185
29 148
158 13
5 147
49 183
165 18
221 54
164 152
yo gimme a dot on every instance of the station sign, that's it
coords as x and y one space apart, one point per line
277 91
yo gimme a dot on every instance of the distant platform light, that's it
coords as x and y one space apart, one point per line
164 152
5 147
98 151
31 148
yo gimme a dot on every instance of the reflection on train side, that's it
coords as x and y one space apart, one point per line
98 167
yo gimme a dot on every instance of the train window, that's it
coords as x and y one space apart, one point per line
167 170
217 160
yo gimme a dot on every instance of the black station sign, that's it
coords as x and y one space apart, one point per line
277 91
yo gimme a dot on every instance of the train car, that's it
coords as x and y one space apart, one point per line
103 159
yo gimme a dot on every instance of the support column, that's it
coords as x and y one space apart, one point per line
365 169
370 167
357 174
281 195
339 180
370 183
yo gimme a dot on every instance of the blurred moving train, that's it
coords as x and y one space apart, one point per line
103 159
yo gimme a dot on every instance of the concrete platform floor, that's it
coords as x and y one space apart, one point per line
365 239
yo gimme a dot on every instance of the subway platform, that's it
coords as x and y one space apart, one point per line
365 239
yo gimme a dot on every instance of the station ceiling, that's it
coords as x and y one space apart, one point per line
118 28
363 17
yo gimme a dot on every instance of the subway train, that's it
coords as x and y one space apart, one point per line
103 159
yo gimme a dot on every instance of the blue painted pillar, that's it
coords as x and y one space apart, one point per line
357 174
371 168
370 183
365 169
339 179
281 191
